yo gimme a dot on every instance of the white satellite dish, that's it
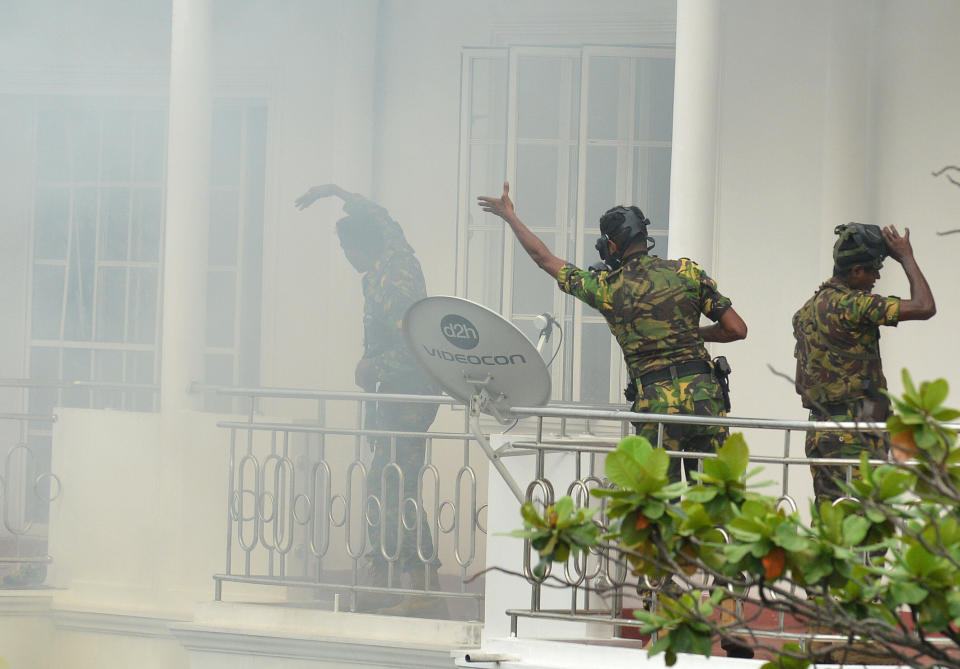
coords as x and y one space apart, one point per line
476 355
481 359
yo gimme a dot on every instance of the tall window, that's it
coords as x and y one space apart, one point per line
235 248
98 233
95 302
575 131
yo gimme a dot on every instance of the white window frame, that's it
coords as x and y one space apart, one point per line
626 148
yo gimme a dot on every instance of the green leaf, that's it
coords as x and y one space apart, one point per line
907 593
933 393
895 483
717 469
564 508
636 447
530 515
654 509
623 470
945 415
660 645
702 493
909 391
735 454
657 464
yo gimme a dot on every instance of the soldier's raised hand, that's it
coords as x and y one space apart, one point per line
317 193
501 206
898 244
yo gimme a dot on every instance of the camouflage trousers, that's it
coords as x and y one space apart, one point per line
393 480
837 445
697 395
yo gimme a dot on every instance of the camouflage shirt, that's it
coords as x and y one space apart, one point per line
390 287
838 343
652 306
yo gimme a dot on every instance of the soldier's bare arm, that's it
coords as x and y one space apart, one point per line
921 305
729 328
320 192
503 207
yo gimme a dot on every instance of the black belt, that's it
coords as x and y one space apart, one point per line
834 408
675 372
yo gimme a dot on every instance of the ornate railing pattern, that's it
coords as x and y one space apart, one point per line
587 575
299 513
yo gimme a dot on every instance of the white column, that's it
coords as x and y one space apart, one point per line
693 173
188 204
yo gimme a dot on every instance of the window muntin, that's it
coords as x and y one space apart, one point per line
575 131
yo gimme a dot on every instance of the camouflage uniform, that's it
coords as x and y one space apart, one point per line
390 287
839 374
653 308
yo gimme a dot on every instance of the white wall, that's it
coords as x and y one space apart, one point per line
829 113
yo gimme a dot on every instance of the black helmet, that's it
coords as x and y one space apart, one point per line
622 225
859 244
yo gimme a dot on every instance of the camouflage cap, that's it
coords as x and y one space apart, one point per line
859 244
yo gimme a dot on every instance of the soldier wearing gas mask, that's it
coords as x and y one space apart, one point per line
839 374
653 309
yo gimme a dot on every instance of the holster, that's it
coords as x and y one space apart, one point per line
721 371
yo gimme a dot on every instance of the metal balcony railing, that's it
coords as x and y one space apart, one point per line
299 513
586 575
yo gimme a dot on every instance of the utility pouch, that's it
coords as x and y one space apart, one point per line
630 392
721 371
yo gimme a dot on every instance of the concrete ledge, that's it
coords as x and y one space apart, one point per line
331 638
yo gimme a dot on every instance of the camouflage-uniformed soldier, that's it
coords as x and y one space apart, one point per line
653 309
839 373
392 281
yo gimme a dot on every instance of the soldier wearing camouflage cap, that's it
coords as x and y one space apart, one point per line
392 281
652 307
839 373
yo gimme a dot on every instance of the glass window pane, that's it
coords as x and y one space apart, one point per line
227 150
148 149
76 367
542 94
114 223
142 306
601 186
533 289
603 103
85 144
53 154
108 367
595 363
79 322
488 111
84 224
485 267
221 307
651 184
111 298
536 185
117 146
139 370
653 115
44 366
487 170
224 228
147 225
218 371
46 301
51 218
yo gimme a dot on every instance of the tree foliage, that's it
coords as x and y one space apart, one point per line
879 569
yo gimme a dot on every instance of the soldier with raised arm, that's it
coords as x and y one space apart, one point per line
392 281
839 374
653 308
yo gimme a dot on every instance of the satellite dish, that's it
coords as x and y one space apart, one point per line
476 355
